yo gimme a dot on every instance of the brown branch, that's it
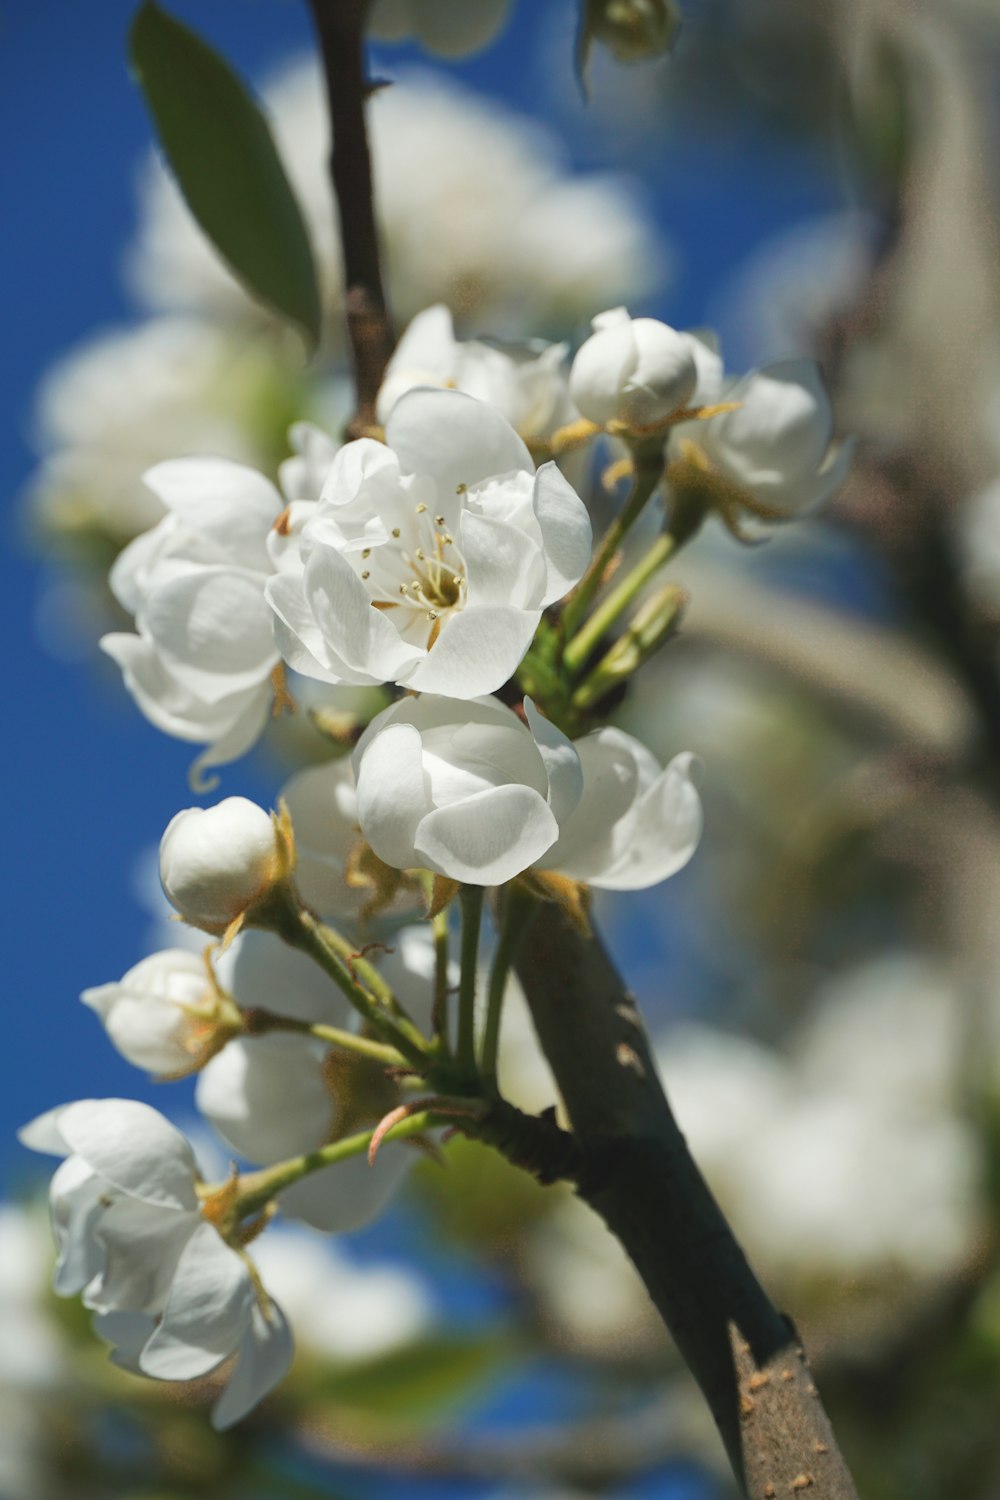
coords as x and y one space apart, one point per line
640 1177
340 29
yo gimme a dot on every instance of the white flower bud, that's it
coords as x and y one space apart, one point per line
632 370
215 862
165 1014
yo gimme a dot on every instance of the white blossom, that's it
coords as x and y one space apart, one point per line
527 383
200 664
281 1095
478 795
537 252
777 446
164 1014
633 370
440 25
215 862
428 562
172 1298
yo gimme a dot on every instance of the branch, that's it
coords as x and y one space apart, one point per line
640 1177
340 29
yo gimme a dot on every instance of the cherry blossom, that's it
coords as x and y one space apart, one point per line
217 861
165 1014
633 370
172 1298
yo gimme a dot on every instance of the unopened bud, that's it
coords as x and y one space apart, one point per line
217 862
653 622
167 1014
632 30
632 370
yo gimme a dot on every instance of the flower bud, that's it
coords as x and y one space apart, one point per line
632 370
166 1014
215 862
633 30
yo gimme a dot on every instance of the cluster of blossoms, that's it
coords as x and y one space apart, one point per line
446 558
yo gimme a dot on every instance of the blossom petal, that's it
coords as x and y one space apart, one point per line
134 1148
392 795
296 633
213 629
229 502
454 437
567 535
476 652
351 1193
487 838
207 1311
504 565
262 1362
142 1243
127 1332
362 637
76 1194
561 761
267 1096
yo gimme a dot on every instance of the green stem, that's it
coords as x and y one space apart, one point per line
262 1021
518 910
471 898
258 1188
618 601
440 1019
649 472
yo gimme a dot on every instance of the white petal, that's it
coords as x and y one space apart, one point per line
611 787
232 504
567 536
358 635
476 652
143 1243
134 1148
267 1096
43 1133
260 970
561 762
296 633
392 796
262 1361
504 565
127 1332
206 1314
488 838
459 440
213 629
243 732
77 1201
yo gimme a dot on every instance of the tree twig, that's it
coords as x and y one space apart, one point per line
640 1177
340 29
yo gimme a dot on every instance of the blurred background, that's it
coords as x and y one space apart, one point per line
822 980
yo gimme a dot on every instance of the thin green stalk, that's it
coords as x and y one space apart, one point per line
440 1018
373 981
648 476
518 910
258 1188
265 1020
618 601
471 898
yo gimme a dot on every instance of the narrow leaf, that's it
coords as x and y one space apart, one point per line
220 149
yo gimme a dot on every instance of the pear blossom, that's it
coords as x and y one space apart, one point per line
479 795
776 447
527 383
428 562
282 1095
439 25
165 1014
215 862
633 370
201 662
168 1293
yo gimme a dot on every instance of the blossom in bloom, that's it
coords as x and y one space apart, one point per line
173 1299
478 795
439 25
633 370
776 448
526 383
166 1014
535 254
215 862
428 562
281 1095
201 662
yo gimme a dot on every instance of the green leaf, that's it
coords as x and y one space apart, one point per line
418 1380
220 149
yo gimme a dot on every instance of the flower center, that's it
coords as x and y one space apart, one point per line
418 570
